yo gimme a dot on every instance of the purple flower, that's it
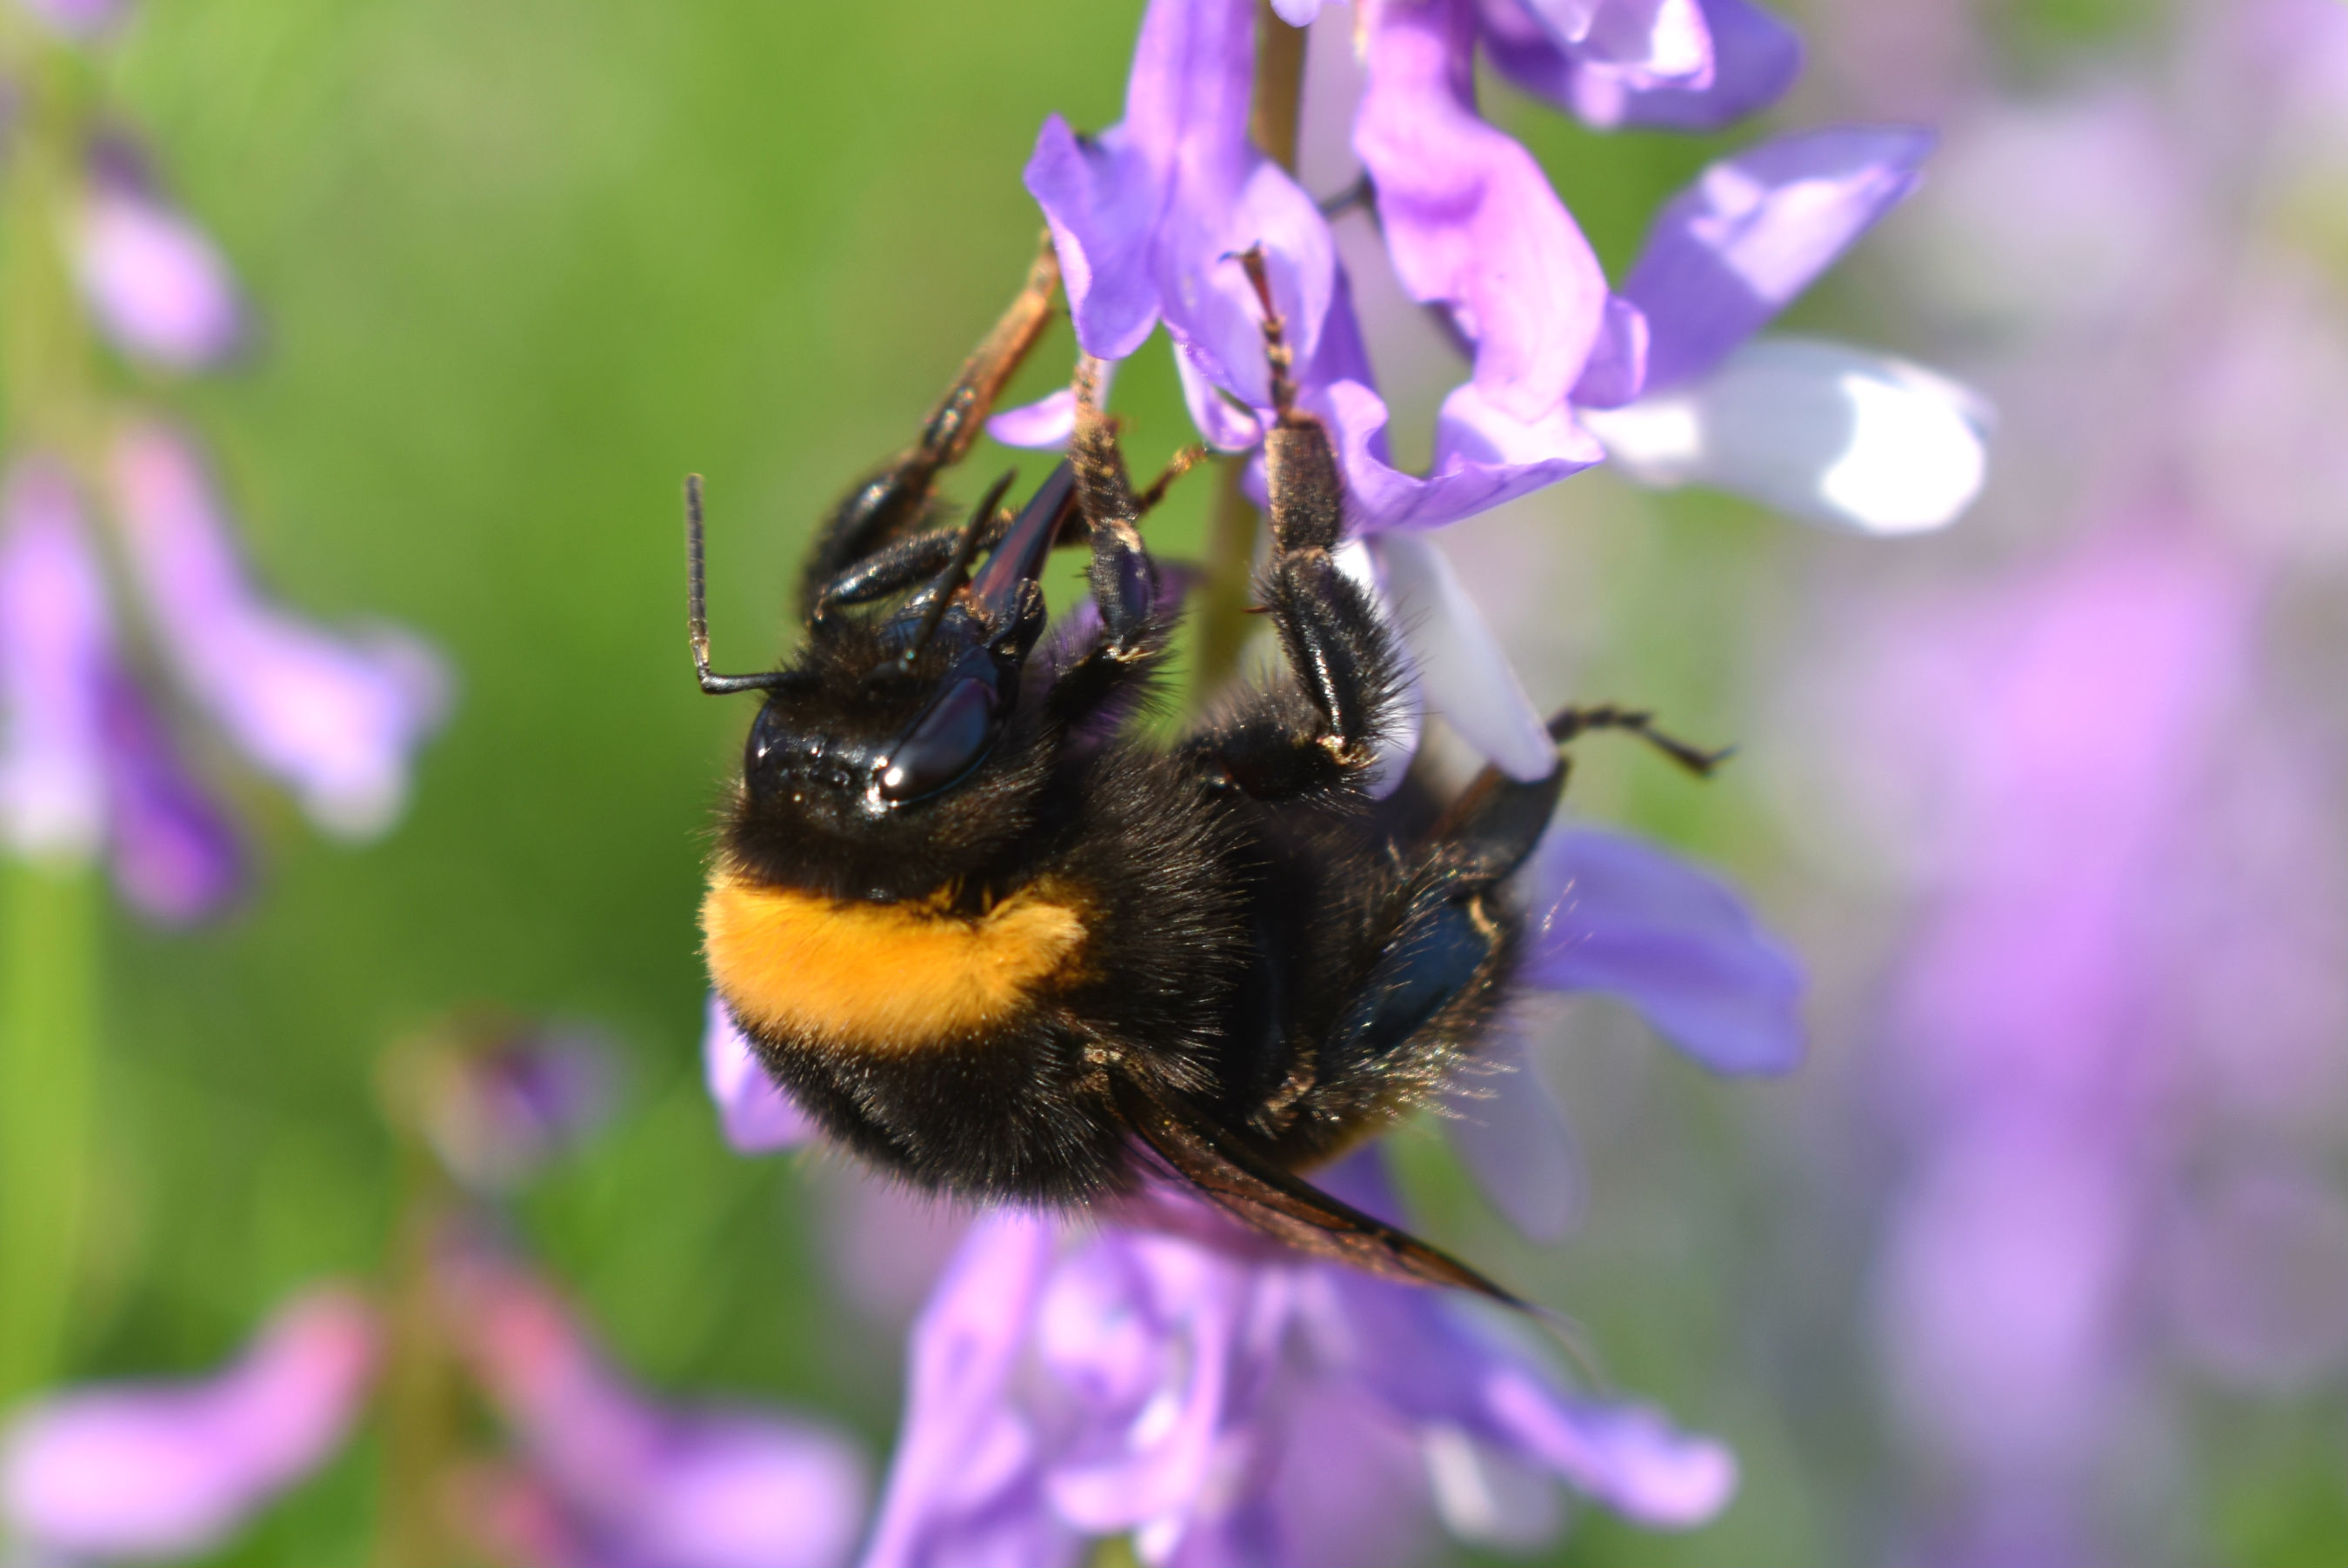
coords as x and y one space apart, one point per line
83 758
611 1480
1227 1402
169 1470
335 716
1149 217
496 1112
155 281
2029 1027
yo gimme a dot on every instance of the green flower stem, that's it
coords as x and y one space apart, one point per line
49 908
49 1067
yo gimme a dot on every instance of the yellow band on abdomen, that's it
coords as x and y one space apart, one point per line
884 976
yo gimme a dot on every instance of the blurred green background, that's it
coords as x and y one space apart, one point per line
521 265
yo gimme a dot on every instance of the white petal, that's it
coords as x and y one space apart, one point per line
1828 434
1465 678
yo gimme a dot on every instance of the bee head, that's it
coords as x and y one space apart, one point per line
896 754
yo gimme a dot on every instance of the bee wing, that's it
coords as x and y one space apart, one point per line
1286 1207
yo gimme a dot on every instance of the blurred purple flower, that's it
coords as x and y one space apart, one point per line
755 1115
1227 1402
2028 1020
155 281
78 18
497 1113
335 716
83 759
164 1470
611 1480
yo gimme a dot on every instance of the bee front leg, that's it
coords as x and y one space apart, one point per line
1123 578
895 498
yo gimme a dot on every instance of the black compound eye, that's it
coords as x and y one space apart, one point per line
946 742
768 732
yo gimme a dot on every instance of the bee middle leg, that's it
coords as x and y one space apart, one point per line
895 498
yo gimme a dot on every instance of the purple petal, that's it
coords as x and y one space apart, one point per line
1148 1328
965 1488
1465 679
1628 1457
707 1486
755 1115
176 858
1635 922
1381 498
1734 248
1509 1133
1048 423
335 716
1426 1358
56 653
1642 41
1349 1485
1150 216
155 281
1483 456
1210 308
1617 370
1227 426
1102 197
1469 219
1753 60
170 1470
1296 12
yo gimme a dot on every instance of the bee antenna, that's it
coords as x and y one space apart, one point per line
697 607
957 571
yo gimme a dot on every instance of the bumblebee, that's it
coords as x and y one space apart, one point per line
1000 944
